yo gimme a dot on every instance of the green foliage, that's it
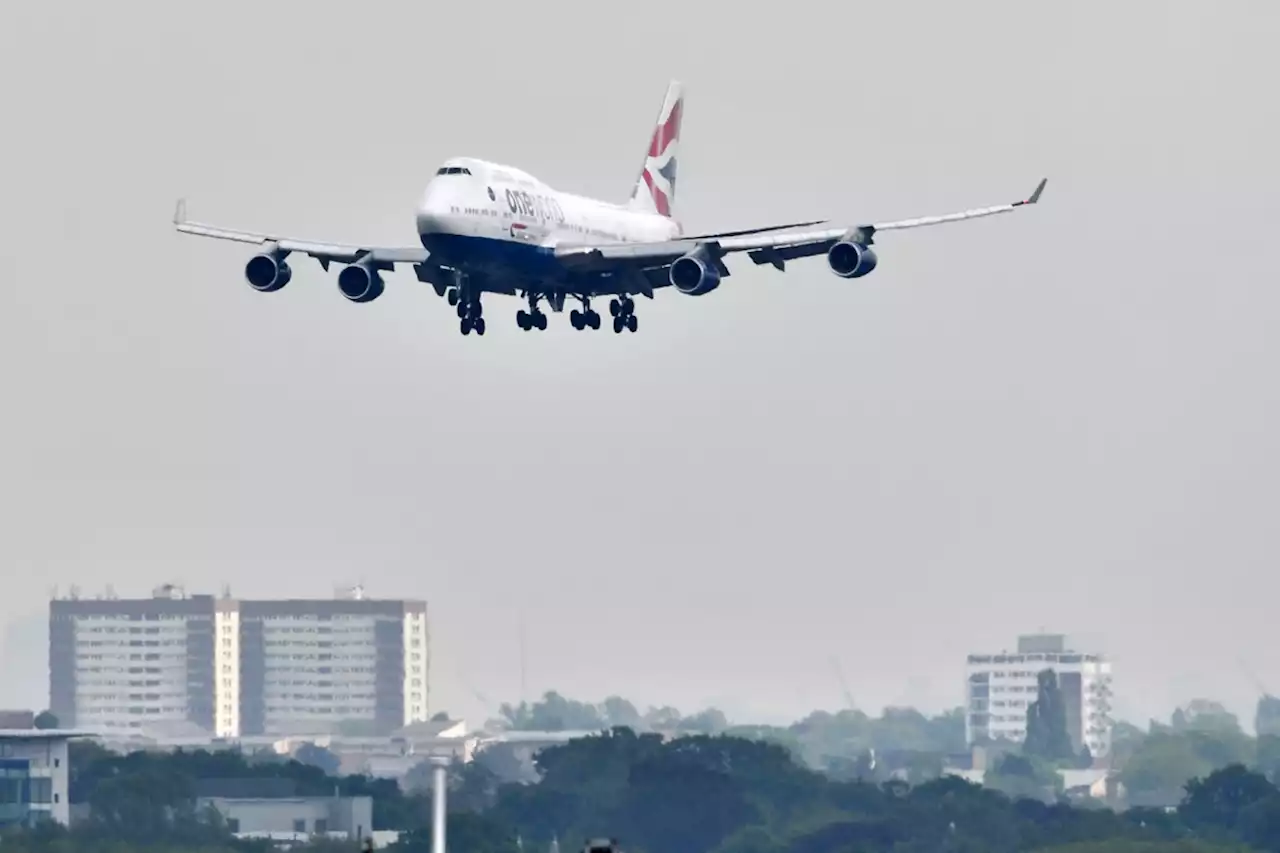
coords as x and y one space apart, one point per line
1206 716
723 794
1134 846
692 794
1047 736
143 796
46 720
841 782
1025 776
819 736
318 757
1268 762
1266 720
554 713
1168 757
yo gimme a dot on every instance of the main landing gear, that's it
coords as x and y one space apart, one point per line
584 318
533 318
624 315
470 316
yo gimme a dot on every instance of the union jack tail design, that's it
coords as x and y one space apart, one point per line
655 190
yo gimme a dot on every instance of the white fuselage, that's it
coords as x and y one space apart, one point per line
487 211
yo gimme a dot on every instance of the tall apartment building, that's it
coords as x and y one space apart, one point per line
237 667
1001 687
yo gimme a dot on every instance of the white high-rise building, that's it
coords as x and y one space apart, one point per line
1001 687
235 667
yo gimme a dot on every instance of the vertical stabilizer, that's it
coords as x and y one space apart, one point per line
655 189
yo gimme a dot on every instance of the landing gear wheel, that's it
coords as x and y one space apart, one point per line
614 307
452 296
540 320
632 323
593 320
478 323
523 320
464 325
618 323
577 318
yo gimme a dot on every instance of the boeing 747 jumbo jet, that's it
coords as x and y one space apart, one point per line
489 228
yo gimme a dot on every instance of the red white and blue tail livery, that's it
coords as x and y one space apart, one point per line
489 228
655 191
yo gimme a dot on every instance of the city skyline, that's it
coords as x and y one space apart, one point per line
741 713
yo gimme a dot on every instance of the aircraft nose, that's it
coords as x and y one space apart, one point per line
434 213
432 221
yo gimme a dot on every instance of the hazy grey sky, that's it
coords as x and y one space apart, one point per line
1065 418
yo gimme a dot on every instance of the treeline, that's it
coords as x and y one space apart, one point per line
694 794
824 740
1153 763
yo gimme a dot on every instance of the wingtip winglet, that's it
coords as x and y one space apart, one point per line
180 212
1035 196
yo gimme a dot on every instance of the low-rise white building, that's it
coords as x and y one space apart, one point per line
34 776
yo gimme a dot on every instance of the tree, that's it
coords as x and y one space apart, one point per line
1266 719
46 720
1047 736
709 722
1167 759
553 713
1206 715
1028 777
319 757
619 712
1268 761
693 794
1220 799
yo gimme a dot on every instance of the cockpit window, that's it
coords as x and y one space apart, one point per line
453 170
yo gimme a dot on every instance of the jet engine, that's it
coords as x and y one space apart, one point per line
696 273
267 273
360 283
849 259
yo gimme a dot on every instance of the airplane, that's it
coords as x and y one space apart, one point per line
489 228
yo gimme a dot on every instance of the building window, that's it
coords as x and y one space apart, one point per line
41 791
300 825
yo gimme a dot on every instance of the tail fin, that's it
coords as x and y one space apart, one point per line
655 190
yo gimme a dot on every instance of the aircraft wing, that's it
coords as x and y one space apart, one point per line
325 253
763 248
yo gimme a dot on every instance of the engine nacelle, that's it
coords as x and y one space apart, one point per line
848 259
360 283
267 274
695 273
